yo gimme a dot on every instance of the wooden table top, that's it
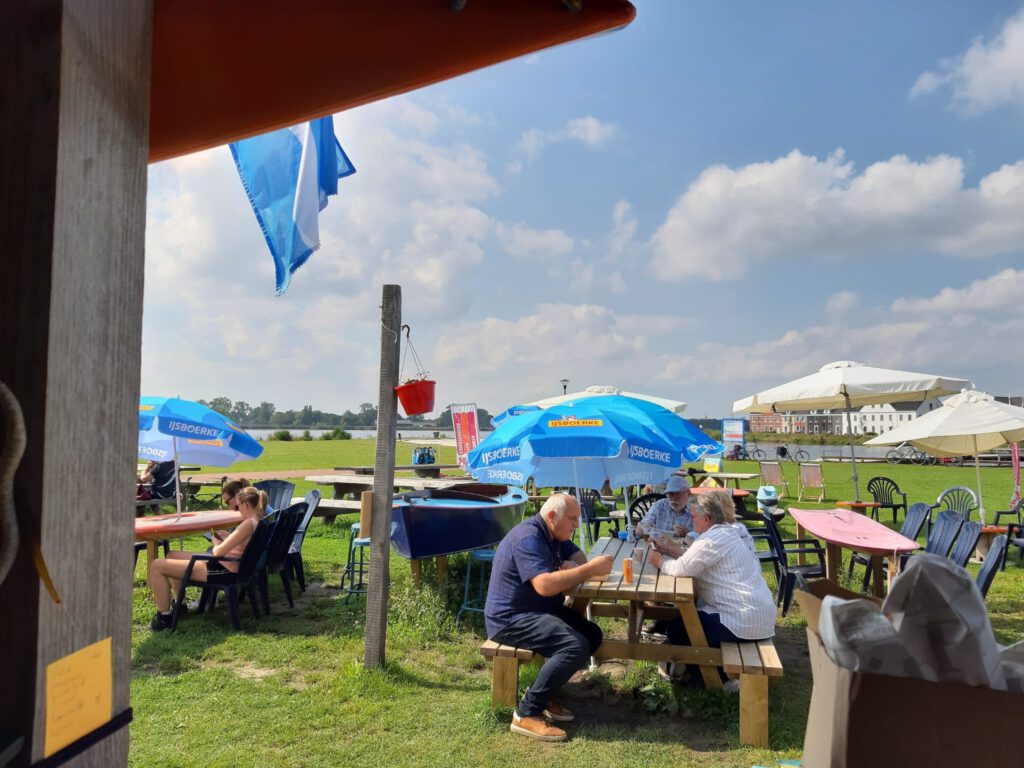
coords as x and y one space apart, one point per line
398 468
737 493
859 504
648 583
167 526
416 483
852 530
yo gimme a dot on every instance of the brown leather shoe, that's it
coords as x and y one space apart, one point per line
536 728
558 712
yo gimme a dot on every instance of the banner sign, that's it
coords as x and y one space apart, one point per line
467 435
732 431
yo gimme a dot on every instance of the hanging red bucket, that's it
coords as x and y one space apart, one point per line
416 397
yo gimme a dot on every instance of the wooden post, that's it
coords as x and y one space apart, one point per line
73 151
365 513
383 480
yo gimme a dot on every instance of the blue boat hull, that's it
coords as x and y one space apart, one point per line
433 524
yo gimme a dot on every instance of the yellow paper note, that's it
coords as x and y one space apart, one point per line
79 690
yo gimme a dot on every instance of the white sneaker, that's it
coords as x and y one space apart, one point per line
731 686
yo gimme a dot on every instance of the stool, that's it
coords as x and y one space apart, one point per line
475 602
357 566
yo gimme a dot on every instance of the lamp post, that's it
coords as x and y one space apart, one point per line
565 385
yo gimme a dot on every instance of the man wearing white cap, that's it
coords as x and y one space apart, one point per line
671 514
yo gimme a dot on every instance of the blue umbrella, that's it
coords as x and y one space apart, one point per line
620 439
515 410
183 430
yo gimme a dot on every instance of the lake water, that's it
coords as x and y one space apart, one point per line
407 434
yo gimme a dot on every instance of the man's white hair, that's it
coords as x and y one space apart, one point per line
559 502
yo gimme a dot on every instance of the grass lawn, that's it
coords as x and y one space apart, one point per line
289 690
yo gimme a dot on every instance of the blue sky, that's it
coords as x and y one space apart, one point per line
716 199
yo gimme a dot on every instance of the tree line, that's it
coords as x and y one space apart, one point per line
266 415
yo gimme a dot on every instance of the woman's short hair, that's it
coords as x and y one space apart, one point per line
717 506
254 498
232 487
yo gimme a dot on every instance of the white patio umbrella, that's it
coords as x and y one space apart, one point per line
847 385
966 424
676 406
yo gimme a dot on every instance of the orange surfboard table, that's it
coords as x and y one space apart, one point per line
154 529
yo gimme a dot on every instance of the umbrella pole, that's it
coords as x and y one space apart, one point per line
977 474
177 480
585 536
853 453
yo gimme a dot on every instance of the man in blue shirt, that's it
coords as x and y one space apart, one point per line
535 563
670 515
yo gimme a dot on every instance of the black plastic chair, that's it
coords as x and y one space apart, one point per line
994 561
295 552
886 493
960 499
642 505
279 492
1014 512
250 566
288 521
966 542
589 499
760 533
913 522
790 574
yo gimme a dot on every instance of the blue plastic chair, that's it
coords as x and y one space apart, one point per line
279 492
474 597
941 537
357 565
966 542
295 552
915 519
993 562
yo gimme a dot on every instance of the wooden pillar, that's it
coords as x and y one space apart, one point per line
383 480
73 154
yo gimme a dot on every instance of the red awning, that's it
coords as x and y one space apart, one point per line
227 69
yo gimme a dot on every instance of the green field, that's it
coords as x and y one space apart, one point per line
289 690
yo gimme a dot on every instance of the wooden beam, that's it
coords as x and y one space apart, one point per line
73 152
383 480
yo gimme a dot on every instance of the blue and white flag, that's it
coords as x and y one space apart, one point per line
288 175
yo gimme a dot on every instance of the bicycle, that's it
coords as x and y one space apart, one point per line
782 453
906 454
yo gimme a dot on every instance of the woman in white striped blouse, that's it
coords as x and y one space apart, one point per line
737 604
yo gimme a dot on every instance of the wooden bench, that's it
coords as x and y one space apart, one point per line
753 663
505 676
329 509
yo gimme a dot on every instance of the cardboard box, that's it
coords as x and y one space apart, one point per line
860 720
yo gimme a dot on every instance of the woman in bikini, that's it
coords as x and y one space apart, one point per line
253 506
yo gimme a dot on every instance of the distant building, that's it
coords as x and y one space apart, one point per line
873 419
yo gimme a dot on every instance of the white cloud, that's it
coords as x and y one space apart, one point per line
987 75
958 331
589 131
1000 292
523 241
729 220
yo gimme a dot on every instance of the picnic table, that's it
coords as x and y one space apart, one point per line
752 662
153 530
698 476
843 529
421 470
